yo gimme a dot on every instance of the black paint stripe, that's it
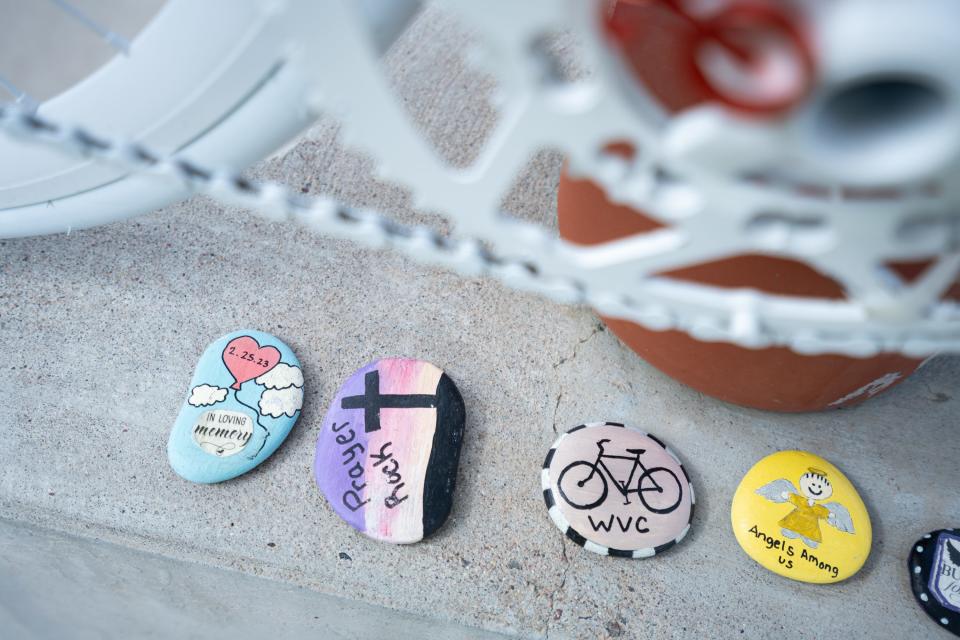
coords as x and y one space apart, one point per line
619 553
692 508
549 458
577 428
441 477
685 474
391 401
657 440
615 424
372 402
664 546
548 498
576 537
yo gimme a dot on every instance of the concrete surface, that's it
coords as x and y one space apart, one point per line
103 327
116 592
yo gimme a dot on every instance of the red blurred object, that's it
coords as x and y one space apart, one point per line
751 56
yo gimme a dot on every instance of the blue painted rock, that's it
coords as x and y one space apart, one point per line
934 565
244 399
389 447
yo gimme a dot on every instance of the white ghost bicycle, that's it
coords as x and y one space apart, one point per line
221 82
209 87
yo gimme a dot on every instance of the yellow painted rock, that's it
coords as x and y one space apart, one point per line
798 515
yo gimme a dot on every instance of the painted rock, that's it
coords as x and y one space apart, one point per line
934 565
798 515
617 491
244 399
389 447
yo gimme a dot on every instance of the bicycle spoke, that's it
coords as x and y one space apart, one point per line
112 38
21 97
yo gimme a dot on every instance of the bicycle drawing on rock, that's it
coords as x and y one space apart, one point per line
585 484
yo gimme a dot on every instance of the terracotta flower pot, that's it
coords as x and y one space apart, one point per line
660 48
776 379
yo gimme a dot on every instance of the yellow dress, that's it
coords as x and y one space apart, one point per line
805 519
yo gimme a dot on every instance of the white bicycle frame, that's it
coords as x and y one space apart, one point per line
278 76
231 73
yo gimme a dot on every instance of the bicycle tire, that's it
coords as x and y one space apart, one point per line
221 82
649 474
595 471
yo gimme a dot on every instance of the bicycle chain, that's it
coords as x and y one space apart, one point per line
467 256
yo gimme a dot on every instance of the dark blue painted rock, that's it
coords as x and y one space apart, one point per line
934 566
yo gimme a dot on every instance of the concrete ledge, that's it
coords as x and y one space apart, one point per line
54 585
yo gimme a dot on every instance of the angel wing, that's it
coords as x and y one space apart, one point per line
839 517
953 552
774 491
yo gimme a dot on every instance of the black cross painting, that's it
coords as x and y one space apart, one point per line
372 401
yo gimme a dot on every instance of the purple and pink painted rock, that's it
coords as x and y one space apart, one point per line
389 447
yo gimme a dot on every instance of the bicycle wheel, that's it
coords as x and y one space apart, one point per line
582 485
223 82
669 494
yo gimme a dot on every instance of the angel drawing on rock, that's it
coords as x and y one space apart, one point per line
804 521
